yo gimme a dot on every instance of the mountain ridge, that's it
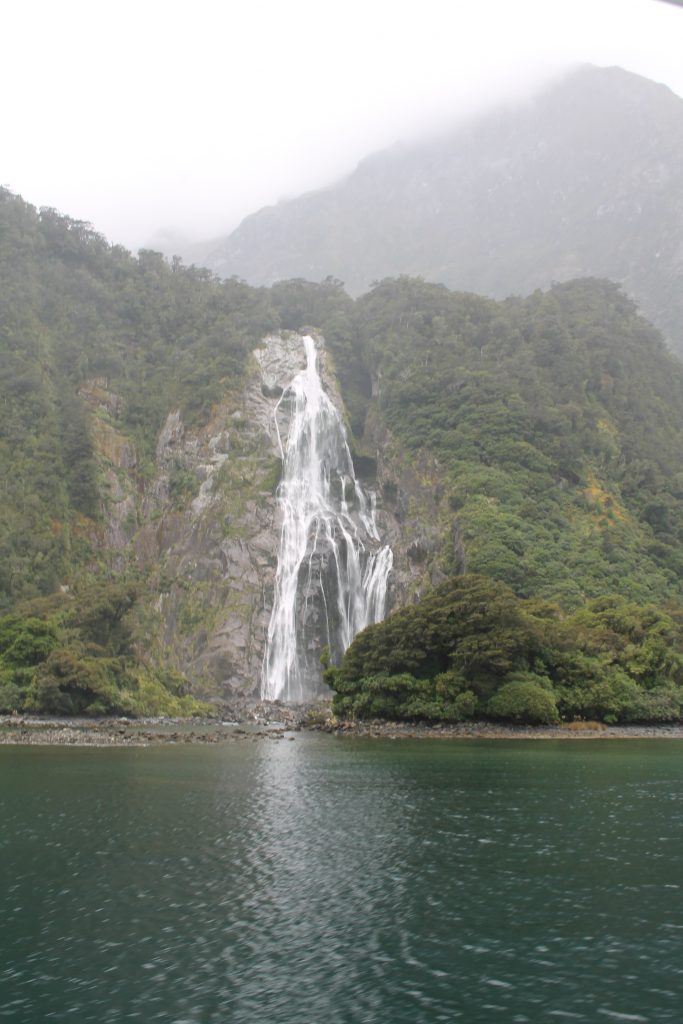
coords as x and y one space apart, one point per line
584 180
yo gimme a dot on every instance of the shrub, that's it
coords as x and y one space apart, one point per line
658 705
610 696
147 695
524 702
25 641
11 696
72 684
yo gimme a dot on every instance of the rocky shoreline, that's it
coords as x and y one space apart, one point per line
232 723
499 731
254 721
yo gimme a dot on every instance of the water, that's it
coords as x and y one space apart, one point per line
343 881
332 569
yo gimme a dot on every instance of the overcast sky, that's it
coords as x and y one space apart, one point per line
144 115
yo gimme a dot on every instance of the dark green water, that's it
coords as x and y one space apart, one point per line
327 881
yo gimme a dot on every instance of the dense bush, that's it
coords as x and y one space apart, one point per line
524 702
472 647
404 697
79 659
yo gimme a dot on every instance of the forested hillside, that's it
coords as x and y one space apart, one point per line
556 423
80 319
75 309
533 444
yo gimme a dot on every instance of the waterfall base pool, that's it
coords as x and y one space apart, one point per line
328 880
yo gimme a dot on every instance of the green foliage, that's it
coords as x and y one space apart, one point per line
77 454
75 310
466 634
151 695
182 486
101 617
25 642
471 646
78 659
11 695
557 424
70 682
526 702
402 697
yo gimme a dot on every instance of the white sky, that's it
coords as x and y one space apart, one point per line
143 115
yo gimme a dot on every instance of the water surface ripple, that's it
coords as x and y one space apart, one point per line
339 881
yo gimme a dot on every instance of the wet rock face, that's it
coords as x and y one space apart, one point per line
316 603
170 437
414 517
223 555
279 358
205 529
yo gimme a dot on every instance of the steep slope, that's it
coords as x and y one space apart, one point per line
587 180
553 426
80 315
535 442
548 434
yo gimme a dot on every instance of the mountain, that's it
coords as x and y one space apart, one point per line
585 180
533 442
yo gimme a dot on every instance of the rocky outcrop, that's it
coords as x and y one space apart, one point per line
216 550
118 461
415 516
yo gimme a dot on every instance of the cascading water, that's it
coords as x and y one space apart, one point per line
332 571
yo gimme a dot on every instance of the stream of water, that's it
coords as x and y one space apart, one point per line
332 568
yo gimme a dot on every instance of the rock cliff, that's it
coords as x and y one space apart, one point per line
202 529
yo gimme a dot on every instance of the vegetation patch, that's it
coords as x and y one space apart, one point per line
472 648
75 656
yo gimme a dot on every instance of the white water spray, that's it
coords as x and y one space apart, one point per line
332 571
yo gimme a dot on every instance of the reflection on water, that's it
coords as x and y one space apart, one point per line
343 881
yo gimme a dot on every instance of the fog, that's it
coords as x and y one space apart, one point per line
166 117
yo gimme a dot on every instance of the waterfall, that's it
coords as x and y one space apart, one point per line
332 570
